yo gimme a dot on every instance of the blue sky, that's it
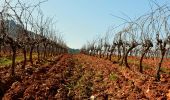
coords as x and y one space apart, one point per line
82 20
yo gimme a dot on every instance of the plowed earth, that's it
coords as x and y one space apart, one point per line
81 77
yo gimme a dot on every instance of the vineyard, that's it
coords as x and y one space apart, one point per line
130 62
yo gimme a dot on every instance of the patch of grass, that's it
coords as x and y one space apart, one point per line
113 76
8 61
19 59
83 85
165 70
146 66
132 61
5 61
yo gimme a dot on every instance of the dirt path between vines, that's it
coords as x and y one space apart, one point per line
81 77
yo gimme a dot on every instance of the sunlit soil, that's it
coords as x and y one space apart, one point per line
83 77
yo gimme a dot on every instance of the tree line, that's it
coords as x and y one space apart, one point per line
146 36
25 29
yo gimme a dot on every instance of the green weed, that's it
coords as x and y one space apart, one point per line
113 76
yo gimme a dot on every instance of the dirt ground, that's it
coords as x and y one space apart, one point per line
81 77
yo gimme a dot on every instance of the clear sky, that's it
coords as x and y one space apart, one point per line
82 20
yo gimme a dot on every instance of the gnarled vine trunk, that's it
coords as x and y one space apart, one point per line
159 65
13 59
25 58
119 54
124 51
126 55
31 51
141 59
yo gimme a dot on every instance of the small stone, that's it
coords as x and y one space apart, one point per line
92 97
